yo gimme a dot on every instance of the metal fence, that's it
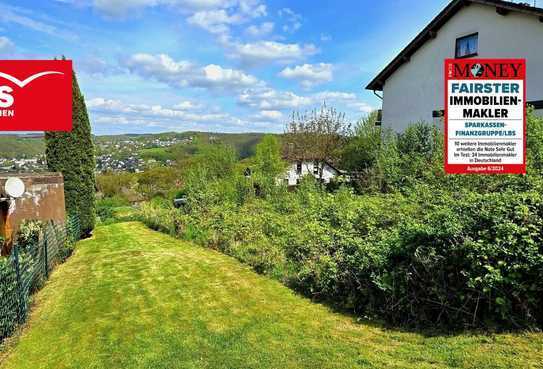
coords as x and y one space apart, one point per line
28 266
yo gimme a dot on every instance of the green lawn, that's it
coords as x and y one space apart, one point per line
134 298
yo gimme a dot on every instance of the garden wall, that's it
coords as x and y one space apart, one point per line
43 200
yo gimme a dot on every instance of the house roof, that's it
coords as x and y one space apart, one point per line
327 162
430 32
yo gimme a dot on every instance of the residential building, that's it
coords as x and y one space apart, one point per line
412 85
320 170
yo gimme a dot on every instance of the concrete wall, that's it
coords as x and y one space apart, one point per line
417 87
43 200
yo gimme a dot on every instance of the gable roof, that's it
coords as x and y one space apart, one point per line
430 32
327 162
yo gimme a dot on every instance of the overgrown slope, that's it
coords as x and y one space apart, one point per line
134 298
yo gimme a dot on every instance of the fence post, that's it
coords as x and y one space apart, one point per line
20 308
45 254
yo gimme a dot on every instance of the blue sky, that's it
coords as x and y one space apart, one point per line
215 65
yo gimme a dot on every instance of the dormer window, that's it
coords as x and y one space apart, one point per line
467 46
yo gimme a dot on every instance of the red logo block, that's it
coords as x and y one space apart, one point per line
35 95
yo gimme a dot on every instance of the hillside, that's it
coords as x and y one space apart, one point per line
21 146
29 146
134 298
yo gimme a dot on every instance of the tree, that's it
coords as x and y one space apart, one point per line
318 136
268 161
157 181
72 154
362 151
268 165
218 160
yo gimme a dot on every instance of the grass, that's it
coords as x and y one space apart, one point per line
134 298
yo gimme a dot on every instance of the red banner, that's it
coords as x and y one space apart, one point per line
485 116
35 95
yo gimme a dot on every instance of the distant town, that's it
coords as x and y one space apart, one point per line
122 153
24 164
112 155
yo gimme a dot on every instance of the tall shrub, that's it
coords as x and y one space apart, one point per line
72 154
268 165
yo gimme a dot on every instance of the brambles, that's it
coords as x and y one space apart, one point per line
407 243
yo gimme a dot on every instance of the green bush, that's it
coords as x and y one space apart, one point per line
160 216
108 209
9 302
417 248
470 261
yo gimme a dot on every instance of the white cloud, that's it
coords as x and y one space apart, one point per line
362 107
158 65
252 7
260 30
273 115
309 74
118 108
180 117
270 110
216 76
271 51
214 21
6 45
294 20
183 73
268 99
187 105
218 21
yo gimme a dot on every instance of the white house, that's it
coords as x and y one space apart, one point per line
301 168
413 83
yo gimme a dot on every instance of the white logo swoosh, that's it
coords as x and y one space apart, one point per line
28 80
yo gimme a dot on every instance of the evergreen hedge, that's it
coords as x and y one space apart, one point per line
72 154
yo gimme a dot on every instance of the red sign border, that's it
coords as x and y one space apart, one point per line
481 168
57 128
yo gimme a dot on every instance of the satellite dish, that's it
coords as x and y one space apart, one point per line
14 187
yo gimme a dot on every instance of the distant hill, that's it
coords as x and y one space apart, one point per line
21 146
27 146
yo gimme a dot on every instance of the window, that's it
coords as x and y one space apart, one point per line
299 167
316 168
379 120
467 46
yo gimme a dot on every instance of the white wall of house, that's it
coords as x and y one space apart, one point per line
292 175
416 89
